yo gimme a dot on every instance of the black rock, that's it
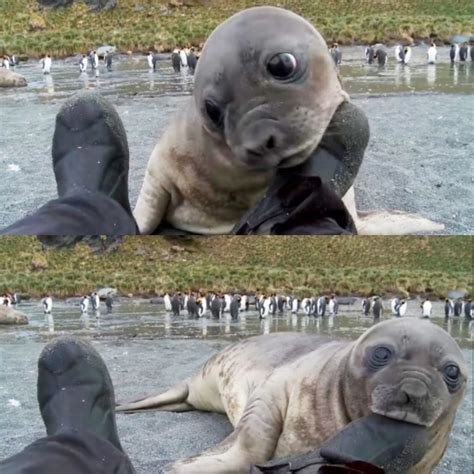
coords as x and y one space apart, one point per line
55 3
101 5
96 5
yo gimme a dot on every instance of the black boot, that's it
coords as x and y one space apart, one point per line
373 444
90 149
307 199
75 392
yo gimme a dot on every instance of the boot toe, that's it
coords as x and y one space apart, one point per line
61 355
90 149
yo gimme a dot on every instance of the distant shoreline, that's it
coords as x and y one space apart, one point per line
155 25
364 266
166 56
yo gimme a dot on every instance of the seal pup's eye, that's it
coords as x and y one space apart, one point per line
379 356
215 113
451 375
282 66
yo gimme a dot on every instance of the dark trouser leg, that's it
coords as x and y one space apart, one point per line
82 214
69 452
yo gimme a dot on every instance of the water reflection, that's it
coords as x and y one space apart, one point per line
85 320
84 78
133 77
455 71
265 325
50 323
227 324
431 74
204 327
48 80
145 320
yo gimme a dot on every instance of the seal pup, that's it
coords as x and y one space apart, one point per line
219 155
287 393
387 222
222 150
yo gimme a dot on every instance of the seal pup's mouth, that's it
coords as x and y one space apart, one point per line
401 415
292 159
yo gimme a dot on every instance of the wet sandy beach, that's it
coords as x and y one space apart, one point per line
147 351
419 158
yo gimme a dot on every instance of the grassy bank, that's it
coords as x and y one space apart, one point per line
137 25
149 266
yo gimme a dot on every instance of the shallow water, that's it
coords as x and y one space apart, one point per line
419 158
147 351
140 318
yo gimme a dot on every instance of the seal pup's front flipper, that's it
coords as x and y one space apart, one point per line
154 197
254 440
172 400
387 222
152 203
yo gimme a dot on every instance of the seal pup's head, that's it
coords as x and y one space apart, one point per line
410 370
267 86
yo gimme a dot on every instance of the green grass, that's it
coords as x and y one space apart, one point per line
137 25
152 265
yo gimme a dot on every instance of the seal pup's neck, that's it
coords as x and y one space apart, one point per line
323 394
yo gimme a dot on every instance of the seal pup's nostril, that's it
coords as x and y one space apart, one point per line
414 390
254 152
271 142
